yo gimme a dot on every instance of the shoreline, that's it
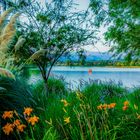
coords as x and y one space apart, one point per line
100 66
90 66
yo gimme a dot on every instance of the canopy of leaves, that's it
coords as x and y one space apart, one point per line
53 30
123 20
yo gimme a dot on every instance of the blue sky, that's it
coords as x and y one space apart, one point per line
99 47
83 5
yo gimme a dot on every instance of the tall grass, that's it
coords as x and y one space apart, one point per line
86 121
14 94
85 114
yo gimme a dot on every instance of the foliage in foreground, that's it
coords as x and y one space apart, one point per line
14 94
102 111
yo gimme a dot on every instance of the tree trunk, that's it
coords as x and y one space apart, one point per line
46 86
45 81
43 73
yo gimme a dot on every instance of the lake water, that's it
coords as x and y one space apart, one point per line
129 77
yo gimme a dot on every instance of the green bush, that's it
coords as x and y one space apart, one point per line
15 94
76 115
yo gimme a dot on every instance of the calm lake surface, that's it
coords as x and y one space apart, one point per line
129 77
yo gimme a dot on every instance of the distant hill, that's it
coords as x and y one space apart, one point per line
90 56
98 56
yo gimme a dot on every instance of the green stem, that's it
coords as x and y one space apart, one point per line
32 133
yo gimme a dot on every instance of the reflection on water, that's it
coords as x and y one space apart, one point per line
128 76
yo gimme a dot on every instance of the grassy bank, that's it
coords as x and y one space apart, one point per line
100 111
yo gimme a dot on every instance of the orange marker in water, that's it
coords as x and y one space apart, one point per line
90 71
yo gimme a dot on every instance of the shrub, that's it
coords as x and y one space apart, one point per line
14 94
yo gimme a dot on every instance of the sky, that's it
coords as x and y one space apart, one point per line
100 46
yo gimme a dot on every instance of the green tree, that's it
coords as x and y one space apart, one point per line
82 57
51 31
123 20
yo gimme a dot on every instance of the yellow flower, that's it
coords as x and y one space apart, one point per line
16 122
21 127
112 105
109 106
33 120
99 107
125 108
126 103
7 114
8 128
27 111
65 102
67 120
104 106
